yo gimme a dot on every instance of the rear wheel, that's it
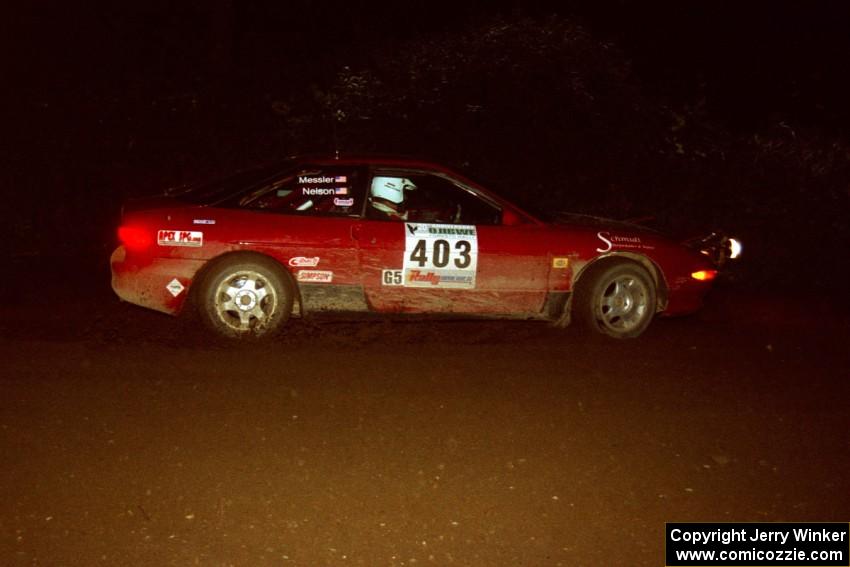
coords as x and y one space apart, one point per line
245 296
617 299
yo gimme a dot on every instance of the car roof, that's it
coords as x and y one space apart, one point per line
383 160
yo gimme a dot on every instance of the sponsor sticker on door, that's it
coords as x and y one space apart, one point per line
304 261
392 277
440 255
315 276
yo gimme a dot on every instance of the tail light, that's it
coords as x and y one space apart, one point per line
704 275
134 237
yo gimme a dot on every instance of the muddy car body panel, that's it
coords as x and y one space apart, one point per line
387 236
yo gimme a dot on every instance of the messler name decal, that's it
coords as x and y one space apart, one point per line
440 255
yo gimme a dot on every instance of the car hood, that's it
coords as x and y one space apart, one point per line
591 221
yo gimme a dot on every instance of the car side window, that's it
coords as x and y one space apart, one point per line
417 197
334 191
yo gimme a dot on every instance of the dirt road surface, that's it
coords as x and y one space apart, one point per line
128 439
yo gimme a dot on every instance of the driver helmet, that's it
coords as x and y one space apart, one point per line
387 194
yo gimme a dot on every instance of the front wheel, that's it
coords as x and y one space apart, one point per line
617 299
246 296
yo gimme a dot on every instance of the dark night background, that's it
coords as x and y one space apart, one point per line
131 438
705 114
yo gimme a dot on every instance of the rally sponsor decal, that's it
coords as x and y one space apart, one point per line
175 287
560 263
343 202
392 277
611 241
440 255
315 276
431 278
304 262
180 238
203 221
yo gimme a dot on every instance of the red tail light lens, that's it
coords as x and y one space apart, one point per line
704 275
134 238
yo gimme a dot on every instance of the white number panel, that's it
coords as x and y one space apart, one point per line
440 255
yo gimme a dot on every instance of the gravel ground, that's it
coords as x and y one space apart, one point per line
130 439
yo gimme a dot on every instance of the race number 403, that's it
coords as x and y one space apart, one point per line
443 255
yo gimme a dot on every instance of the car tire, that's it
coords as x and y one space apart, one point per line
616 298
245 296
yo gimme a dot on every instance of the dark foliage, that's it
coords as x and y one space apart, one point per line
538 108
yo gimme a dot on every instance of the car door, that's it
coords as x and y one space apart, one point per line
446 250
308 220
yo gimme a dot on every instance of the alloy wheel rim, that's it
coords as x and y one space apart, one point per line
245 301
623 303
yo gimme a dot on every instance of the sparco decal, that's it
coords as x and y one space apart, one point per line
179 238
304 262
315 276
440 255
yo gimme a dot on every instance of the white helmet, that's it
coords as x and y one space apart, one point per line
388 193
391 188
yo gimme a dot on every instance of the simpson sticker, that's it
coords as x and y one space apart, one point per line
392 277
179 238
440 255
175 287
343 202
560 263
315 276
304 262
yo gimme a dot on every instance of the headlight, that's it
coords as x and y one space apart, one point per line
735 248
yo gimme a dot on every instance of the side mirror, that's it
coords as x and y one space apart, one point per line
510 218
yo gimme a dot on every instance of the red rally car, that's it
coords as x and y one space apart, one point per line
394 236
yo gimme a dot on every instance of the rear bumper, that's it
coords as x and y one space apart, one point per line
150 282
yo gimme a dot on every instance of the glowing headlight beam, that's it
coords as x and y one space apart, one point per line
735 248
